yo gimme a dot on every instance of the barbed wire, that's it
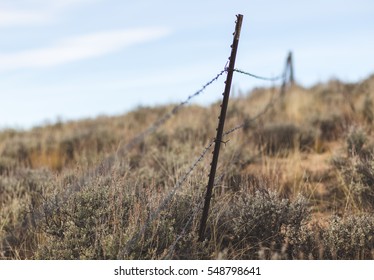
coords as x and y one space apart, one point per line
271 79
268 106
140 137
108 163
199 91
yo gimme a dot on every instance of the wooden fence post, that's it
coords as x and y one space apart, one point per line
221 123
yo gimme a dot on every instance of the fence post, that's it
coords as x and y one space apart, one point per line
290 65
221 123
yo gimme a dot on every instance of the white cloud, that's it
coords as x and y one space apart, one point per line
13 17
79 48
26 12
59 4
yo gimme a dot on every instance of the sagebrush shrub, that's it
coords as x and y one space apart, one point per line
356 140
349 238
265 219
88 225
278 139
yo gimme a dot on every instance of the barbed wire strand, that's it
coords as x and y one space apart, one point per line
272 79
269 105
139 138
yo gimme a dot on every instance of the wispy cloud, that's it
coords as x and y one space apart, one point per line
79 48
14 17
34 12
59 4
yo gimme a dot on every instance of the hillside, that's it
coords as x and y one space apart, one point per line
295 181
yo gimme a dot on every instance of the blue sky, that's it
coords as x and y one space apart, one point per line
81 58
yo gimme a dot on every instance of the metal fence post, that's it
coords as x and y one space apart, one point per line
221 123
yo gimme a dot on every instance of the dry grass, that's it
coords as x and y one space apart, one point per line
297 183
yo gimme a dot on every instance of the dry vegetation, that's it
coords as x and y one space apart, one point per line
296 183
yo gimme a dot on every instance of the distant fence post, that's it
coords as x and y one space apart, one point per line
221 123
287 76
290 65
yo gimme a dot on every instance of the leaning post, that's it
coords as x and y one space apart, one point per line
221 123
